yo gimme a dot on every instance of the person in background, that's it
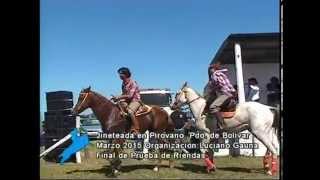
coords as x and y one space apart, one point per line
253 93
273 92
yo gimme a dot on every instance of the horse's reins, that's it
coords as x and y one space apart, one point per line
193 100
188 103
85 97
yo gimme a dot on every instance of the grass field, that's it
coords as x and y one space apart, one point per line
93 168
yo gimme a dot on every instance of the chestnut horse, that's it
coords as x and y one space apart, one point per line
111 120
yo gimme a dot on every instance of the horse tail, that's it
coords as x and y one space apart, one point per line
276 117
276 120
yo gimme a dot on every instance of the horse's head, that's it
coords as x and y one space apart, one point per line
180 97
83 101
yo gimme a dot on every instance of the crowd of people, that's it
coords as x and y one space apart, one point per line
273 91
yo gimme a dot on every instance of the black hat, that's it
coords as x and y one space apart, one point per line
124 70
275 79
254 80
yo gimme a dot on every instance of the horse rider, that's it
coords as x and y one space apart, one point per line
218 91
130 98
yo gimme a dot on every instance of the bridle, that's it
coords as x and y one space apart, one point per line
188 103
85 97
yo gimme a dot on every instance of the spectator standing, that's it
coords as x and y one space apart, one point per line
253 93
273 92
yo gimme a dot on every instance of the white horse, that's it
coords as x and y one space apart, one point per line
252 116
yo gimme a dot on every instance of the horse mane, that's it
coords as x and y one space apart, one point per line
101 96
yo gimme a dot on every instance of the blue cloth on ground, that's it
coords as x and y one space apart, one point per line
78 143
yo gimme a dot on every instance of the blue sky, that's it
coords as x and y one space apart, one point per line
163 42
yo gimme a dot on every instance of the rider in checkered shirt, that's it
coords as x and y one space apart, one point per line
220 89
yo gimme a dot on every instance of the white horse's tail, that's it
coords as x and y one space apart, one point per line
276 117
276 121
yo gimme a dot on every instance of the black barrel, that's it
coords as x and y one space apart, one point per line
59 95
58 122
64 112
59 100
59 105
57 132
58 125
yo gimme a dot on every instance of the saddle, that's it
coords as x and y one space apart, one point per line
228 109
142 110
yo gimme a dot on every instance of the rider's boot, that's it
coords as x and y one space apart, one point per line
220 124
135 128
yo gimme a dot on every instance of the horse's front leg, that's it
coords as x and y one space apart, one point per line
116 162
158 163
171 163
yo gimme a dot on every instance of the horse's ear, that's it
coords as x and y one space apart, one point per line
184 84
89 88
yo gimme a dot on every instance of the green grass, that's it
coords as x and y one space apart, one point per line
227 167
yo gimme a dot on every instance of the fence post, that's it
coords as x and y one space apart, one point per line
238 60
78 155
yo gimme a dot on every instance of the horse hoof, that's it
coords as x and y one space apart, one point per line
214 168
269 173
209 170
115 172
155 169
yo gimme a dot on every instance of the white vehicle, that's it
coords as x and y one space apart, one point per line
158 97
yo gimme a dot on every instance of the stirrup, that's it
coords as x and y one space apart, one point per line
124 114
221 127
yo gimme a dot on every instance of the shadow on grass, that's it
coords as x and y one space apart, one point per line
104 170
192 167
187 167
240 169
124 169
201 169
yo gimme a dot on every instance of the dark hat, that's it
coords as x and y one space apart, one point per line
124 70
273 78
253 80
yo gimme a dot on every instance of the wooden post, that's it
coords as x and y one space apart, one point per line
238 59
78 156
146 140
240 84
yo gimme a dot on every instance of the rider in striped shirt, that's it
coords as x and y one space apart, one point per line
221 88
130 97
